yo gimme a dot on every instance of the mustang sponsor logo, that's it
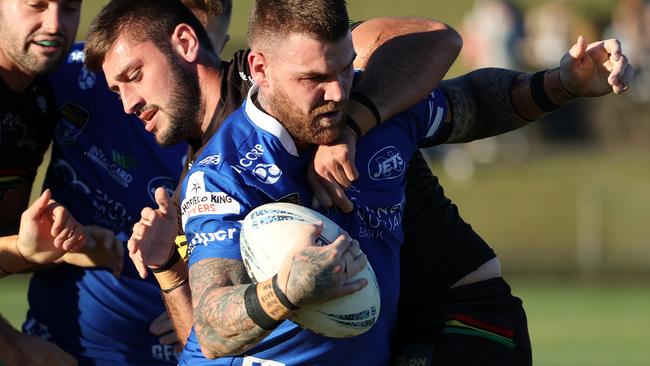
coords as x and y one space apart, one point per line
387 163
211 160
76 56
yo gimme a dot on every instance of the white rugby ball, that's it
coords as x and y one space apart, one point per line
265 240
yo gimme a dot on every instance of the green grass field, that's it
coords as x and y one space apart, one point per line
571 323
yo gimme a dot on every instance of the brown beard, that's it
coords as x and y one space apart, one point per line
306 129
184 107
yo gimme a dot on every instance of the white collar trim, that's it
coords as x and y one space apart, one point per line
268 123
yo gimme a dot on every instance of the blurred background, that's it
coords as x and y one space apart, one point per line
565 201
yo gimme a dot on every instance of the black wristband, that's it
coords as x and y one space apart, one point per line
170 262
255 311
358 97
539 93
284 300
353 125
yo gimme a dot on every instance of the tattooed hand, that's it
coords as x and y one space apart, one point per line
314 274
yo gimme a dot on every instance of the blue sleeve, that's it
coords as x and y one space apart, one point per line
211 215
428 118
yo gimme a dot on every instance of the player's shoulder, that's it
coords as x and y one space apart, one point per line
73 77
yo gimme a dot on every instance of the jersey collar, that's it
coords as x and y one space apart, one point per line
268 123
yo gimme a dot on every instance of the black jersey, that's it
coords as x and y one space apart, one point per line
26 129
439 247
27 126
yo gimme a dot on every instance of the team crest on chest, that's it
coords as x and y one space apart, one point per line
387 163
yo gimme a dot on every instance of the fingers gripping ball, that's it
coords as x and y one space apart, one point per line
264 246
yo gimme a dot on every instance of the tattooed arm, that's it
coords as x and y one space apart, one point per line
220 319
312 274
489 102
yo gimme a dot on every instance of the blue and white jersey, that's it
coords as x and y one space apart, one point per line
252 160
104 169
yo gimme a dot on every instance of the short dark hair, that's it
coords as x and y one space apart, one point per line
325 20
212 8
141 20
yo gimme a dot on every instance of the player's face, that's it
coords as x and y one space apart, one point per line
35 35
156 87
309 85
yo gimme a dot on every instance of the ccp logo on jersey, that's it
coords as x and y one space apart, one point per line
267 173
387 163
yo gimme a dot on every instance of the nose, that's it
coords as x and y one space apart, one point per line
52 18
131 102
335 90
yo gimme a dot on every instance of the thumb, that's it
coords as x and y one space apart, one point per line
38 207
163 200
579 48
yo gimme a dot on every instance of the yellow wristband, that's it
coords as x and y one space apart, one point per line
173 277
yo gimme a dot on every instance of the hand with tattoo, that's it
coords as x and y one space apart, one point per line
315 274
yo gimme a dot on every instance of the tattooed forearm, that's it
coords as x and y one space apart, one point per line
481 103
220 319
222 324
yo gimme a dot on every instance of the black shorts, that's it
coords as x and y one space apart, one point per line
477 324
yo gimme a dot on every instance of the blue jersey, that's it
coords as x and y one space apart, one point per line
104 169
253 160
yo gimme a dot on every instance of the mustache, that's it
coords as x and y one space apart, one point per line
329 107
146 108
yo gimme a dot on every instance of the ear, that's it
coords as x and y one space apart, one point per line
258 64
185 42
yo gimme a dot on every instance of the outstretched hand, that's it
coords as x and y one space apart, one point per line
102 249
332 171
595 69
152 241
48 231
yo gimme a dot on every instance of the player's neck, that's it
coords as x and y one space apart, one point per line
210 84
12 75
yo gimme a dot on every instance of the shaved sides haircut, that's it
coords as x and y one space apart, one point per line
270 20
140 20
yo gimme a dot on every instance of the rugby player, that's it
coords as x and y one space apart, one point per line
35 38
549 76
235 83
